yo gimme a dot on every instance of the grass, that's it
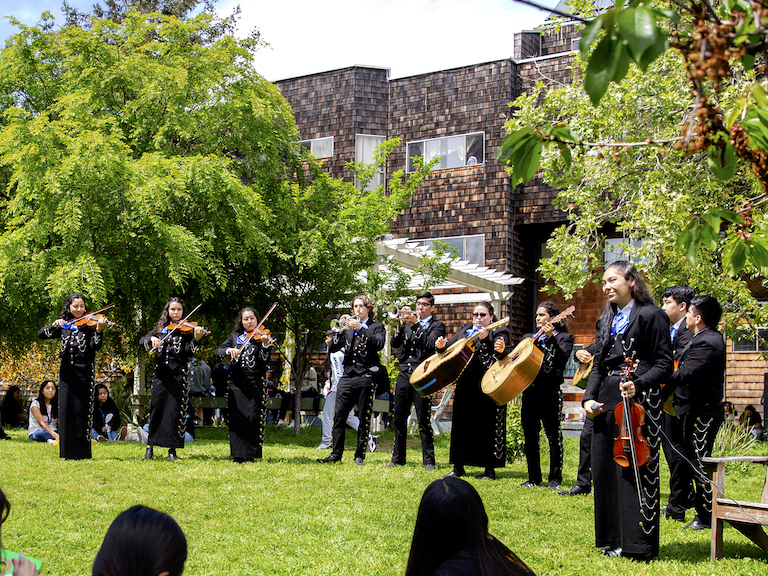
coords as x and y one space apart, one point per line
289 515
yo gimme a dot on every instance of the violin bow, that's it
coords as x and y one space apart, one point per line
261 323
628 370
179 323
99 311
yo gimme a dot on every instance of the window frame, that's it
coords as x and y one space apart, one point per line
443 141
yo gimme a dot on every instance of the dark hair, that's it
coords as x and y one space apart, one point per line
367 302
96 389
553 310
65 313
141 541
488 306
452 519
54 401
164 319
680 294
10 392
728 404
638 291
5 509
708 308
428 295
239 324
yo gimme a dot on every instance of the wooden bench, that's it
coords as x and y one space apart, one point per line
747 517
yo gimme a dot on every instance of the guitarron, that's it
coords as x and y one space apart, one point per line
513 373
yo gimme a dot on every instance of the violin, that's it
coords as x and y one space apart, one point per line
91 319
630 447
186 327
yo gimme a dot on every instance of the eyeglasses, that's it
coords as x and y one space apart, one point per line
480 314
423 304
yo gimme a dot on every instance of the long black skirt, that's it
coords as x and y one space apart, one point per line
75 411
168 408
479 428
246 420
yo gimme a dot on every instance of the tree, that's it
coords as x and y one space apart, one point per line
662 148
323 238
134 162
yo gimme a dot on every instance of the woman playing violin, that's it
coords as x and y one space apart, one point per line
631 327
168 406
79 344
478 435
249 354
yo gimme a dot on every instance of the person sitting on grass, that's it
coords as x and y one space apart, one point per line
21 566
751 420
142 541
451 536
106 417
44 414
12 414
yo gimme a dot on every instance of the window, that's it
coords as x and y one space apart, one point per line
752 343
365 146
471 248
575 44
614 250
453 151
319 147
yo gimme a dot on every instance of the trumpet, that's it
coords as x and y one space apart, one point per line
342 323
401 314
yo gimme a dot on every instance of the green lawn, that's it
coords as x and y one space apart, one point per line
289 515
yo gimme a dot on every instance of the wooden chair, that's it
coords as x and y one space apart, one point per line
747 517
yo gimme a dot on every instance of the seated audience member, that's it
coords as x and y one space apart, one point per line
142 542
44 414
21 566
106 417
730 411
750 419
451 536
12 414
308 390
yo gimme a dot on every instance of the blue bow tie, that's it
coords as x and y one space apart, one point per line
619 324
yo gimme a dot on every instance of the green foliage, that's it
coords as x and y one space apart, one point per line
733 440
134 161
515 440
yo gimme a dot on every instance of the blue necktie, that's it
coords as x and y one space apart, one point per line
672 333
619 323
424 324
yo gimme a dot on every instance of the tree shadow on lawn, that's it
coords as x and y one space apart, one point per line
698 552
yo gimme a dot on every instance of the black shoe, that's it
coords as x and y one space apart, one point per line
457 471
677 516
393 465
529 484
360 461
696 524
553 485
172 455
578 489
328 460
489 474
429 467
611 552
149 453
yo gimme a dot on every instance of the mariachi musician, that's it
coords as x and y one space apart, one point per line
416 337
543 400
361 339
478 433
631 328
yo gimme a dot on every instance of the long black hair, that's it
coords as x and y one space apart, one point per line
239 324
139 542
638 291
54 401
5 509
10 392
452 519
65 313
164 319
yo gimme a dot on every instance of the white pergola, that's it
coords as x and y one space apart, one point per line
487 283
